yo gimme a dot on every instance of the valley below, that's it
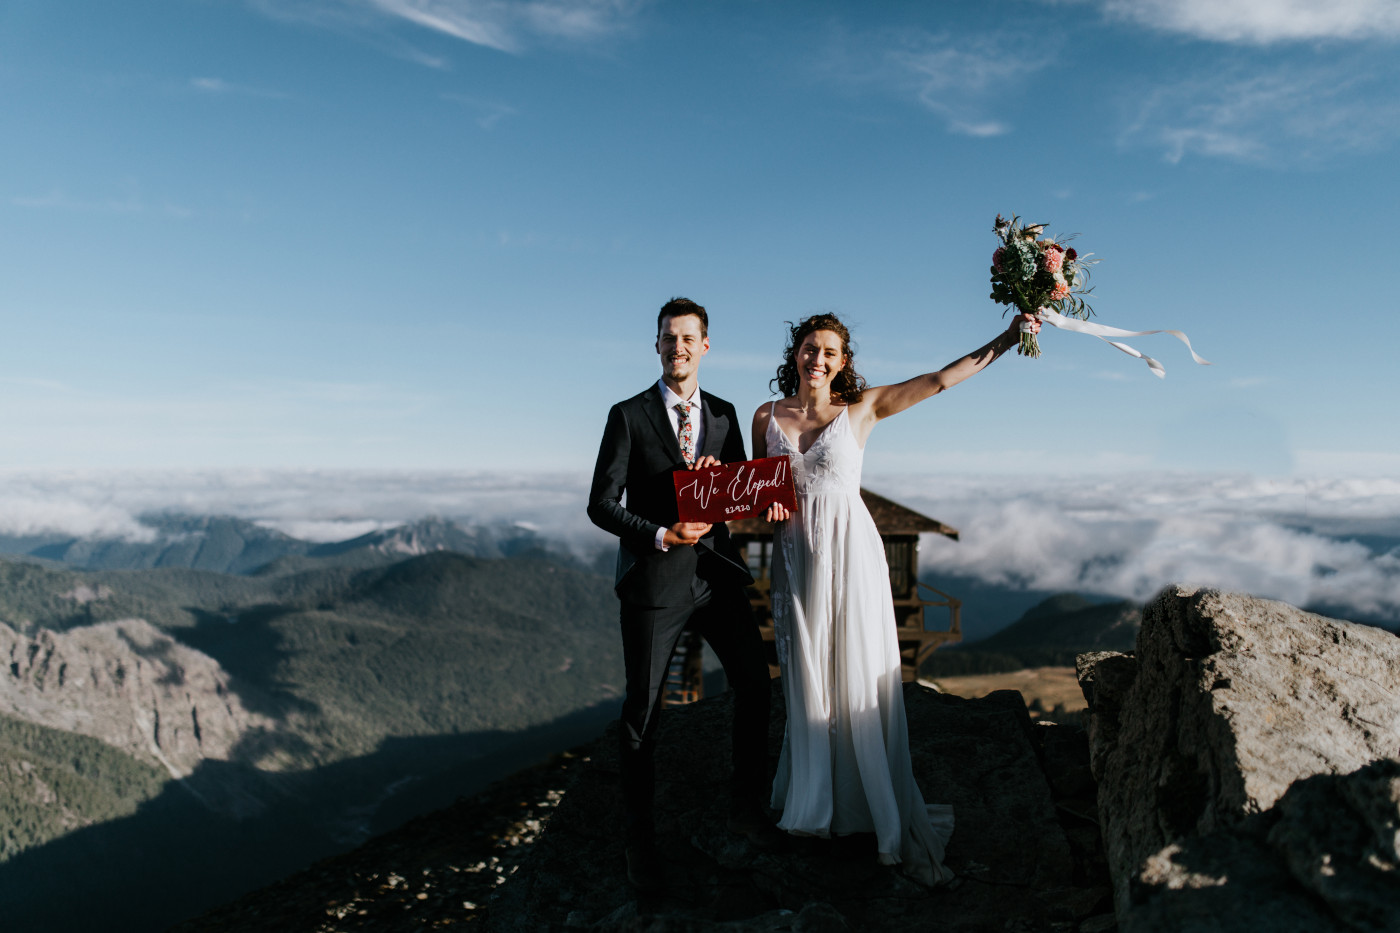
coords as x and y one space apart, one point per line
173 736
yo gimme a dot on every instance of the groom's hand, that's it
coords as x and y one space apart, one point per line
686 534
705 461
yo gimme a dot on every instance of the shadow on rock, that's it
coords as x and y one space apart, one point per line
229 828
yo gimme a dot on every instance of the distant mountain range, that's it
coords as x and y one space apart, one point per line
225 544
1050 633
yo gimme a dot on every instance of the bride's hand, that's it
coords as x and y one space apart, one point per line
777 512
1015 328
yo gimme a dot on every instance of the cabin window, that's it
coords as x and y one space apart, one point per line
758 558
899 554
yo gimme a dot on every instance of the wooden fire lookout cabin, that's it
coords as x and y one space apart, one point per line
899 528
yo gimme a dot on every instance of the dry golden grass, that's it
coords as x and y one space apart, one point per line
1050 685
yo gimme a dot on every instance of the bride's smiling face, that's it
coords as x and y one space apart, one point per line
819 359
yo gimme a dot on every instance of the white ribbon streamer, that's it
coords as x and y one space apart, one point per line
1103 332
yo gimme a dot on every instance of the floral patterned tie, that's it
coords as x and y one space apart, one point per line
687 433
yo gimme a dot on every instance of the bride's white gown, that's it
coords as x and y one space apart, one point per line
845 764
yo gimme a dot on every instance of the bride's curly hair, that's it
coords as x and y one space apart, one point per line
848 385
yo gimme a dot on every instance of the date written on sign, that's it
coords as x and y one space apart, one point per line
732 491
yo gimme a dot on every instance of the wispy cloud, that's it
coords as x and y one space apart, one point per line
488 112
496 24
477 23
957 77
58 199
1281 114
220 87
1263 21
132 203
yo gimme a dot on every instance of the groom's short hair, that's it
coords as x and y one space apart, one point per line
679 307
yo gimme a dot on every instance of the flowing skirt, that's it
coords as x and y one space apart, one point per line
845 765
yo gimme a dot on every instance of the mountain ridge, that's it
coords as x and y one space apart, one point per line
228 544
1049 634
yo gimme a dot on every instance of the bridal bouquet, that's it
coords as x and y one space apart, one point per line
1034 274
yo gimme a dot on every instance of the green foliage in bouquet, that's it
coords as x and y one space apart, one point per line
1030 273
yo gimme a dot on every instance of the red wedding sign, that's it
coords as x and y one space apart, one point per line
732 491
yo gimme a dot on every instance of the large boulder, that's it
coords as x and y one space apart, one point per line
1247 758
1018 867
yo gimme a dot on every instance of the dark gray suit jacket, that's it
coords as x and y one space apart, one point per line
638 455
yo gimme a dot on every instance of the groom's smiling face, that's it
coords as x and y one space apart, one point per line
681 343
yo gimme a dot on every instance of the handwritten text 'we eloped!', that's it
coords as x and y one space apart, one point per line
732 491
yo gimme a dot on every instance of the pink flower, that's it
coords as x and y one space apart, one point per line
996 257
1054 257
1060 293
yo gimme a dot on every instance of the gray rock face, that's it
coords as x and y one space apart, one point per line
129 685
1105 677
1247 759
1015 859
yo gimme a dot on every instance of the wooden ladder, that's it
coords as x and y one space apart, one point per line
685 675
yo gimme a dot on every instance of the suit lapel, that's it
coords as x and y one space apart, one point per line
661 423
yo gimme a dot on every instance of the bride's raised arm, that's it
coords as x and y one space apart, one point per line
880 402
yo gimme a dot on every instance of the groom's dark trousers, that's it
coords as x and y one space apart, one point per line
665 592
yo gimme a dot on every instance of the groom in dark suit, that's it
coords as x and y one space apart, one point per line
673 575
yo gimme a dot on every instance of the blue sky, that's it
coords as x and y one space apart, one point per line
425 234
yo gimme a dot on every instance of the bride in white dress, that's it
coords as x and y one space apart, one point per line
845 765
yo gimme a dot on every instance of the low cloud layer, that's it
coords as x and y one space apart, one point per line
319 505
1306 541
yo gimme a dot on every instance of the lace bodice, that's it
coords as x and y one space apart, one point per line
831 465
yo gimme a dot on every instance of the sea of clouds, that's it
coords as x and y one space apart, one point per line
313 505
1308 541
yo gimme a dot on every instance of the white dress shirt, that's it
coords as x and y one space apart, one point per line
697 424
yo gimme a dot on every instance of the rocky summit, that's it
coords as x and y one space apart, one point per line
1248 758
1026 848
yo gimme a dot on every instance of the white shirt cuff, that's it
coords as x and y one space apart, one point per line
661 538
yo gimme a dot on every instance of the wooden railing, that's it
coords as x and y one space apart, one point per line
953 604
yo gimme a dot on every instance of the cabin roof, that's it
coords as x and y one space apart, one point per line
891 518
